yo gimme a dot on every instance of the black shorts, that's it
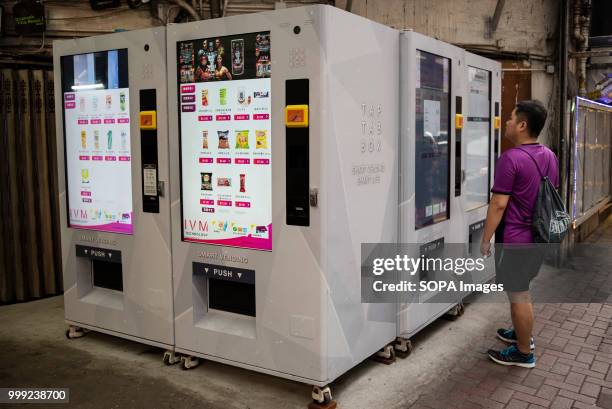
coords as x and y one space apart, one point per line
516 266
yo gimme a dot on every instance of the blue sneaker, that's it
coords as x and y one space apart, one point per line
512 356
509 336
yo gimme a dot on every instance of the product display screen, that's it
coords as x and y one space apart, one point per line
95 91
477 138
432 158
225 135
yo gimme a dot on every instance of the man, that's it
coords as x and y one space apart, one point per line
510 212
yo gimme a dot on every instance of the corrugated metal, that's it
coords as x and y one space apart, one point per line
30 259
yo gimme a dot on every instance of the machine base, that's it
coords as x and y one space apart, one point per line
144 341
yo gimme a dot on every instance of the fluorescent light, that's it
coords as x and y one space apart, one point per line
87 86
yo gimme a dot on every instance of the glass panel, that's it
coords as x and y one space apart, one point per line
96 111
225 135
432 160
477 137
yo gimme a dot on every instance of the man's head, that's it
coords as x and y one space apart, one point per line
526 121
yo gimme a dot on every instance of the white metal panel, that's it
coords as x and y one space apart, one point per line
144 309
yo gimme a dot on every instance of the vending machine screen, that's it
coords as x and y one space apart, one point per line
226 140
95 92
432 159
477 138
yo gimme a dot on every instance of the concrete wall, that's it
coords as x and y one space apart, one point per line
528 28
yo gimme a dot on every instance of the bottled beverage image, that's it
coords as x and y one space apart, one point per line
82 104
109 140
109 101
123 140
94 103
222 96
83 139
122 101
96 139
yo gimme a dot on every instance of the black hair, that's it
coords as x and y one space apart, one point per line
533 113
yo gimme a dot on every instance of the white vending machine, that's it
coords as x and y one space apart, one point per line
287 145
477 150
430 82
113 182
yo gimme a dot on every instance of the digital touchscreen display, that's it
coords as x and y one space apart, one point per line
225 135
96 107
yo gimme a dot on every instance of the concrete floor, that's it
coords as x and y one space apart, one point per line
106 372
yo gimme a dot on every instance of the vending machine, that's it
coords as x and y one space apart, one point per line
477 150
430 88
113 182
287 140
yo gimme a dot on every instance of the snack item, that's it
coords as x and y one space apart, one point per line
223 139
224 182
242 139
206 180
261 139
84 175
204 139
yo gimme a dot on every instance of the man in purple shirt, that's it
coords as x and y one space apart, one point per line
509 217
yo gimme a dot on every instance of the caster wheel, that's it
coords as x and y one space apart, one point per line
171 358
403 347
189 362
460 309
75 332
322 398
455 312
386 355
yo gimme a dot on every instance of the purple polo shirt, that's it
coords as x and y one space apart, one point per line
516 175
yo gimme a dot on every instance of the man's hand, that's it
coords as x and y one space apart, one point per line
485 249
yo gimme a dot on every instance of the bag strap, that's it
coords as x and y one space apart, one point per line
534 162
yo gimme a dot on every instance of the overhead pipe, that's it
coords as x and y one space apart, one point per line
215 8
188 8
582 25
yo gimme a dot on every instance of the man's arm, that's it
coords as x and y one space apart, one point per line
495 212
